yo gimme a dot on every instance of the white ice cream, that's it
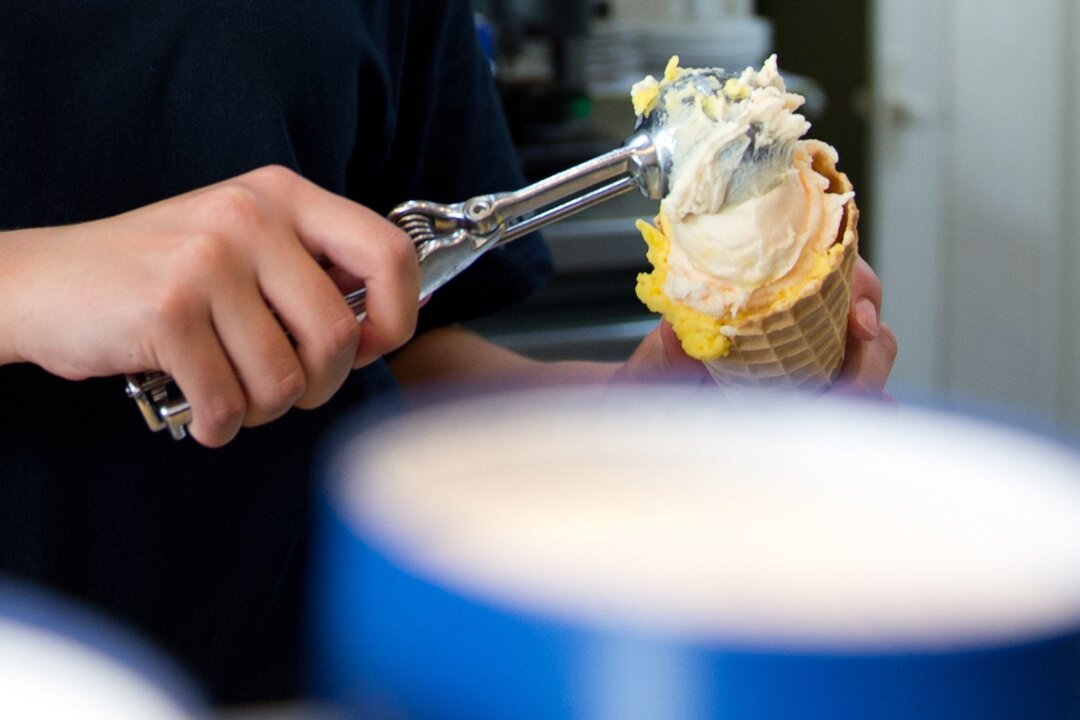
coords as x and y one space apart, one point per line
745 204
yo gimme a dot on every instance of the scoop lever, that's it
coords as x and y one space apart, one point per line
449 238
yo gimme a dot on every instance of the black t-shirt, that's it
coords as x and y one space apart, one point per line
107 105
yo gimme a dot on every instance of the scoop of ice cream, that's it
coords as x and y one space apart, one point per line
733 135
720 260
752 211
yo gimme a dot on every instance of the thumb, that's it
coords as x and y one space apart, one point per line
660 356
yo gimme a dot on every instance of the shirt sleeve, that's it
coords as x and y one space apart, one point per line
452 143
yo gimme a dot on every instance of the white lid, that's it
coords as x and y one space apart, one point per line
46 675
809 522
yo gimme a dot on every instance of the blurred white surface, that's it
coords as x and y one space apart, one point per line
47 676
801 523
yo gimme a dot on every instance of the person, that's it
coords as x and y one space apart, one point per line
169 172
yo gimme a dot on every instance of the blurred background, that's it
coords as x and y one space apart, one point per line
957 122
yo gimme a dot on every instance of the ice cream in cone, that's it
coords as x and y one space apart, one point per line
754 244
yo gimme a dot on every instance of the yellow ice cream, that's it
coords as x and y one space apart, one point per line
753 214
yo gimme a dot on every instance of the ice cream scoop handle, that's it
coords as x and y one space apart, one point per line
449 238
575 205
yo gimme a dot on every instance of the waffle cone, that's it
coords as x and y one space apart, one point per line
799 344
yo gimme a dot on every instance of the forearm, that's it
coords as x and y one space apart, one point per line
15 307
454 355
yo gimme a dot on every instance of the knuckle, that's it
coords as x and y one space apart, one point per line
287 388
173 309
331 360
276 177
403 332
389 339
204 252
281 390
343 334
233 205
401 250
389 333
222 414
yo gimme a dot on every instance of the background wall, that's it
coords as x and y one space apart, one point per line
976 145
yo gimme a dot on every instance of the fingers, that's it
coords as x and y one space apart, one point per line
270 372
208 287
366 246
870 350
681 365
867 363
660 356
871 345
198 364
865 311
324 331
258 273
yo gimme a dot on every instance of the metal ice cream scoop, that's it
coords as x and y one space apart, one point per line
449 238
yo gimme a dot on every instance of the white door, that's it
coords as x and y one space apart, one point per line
977 201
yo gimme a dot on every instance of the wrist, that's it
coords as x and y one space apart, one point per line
18 270
11 261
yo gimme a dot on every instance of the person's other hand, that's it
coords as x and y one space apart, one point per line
202 286
870 351
660 357
871 345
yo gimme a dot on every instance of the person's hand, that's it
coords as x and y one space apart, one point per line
201 285
868 360
871 345
660 357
